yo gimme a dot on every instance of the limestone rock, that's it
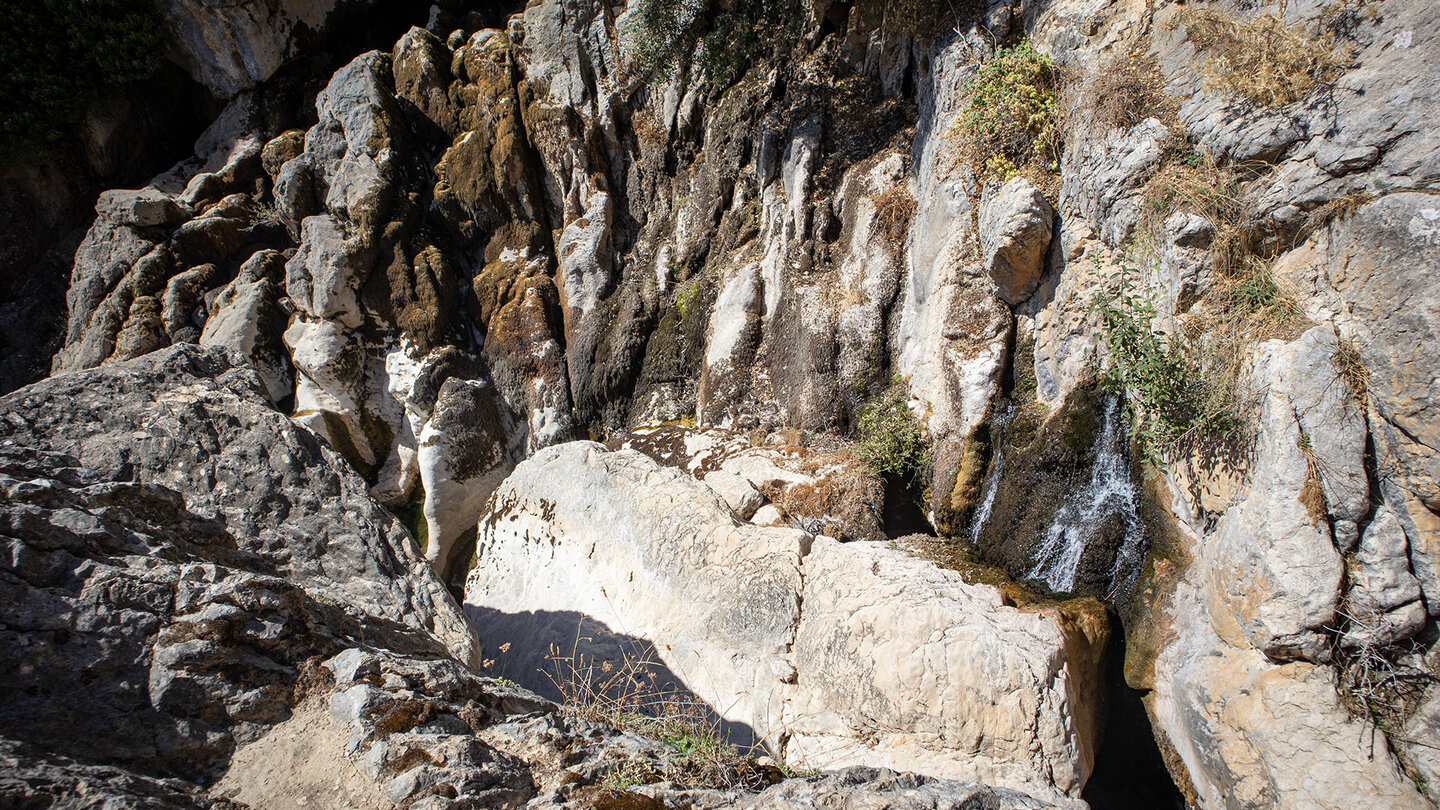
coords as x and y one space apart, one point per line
246 318
193 548
853 787
581 542
142 208
277 503
1253 733
462 454
1384 596
1015 227
904 665
1277 594
820 492
1107 175
229 49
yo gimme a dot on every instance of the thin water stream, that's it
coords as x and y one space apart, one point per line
1109 491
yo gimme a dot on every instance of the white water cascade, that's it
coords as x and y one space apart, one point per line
992 484
1108 492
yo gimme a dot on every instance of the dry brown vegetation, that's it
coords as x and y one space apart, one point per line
647 127
1353 370
1249 304
1120 93
894 208
1378 681
1263 59
637 694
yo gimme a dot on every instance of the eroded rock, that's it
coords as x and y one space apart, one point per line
759 621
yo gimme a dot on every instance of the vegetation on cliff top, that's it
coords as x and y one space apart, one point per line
662 38
56 56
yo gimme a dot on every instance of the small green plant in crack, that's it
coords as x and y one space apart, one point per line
262 213
630 775
1166 389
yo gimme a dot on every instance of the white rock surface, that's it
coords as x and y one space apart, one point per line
1275 574
1015 227
836 654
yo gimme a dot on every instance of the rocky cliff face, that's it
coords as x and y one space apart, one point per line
501 236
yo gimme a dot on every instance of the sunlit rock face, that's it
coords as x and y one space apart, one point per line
493 241
833 654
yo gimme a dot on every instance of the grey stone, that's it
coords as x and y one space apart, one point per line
141 208
1015 227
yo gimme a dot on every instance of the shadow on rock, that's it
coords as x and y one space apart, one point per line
575 660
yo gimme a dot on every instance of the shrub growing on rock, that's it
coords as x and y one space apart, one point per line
58 55
1009 122
662 37
888 438
1169 396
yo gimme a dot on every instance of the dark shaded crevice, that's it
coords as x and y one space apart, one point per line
1130 771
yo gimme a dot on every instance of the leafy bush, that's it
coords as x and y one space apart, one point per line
660 37
58 55
889 440
1009 121
1265 59
1166 389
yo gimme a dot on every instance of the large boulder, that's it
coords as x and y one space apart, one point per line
833 654
1015 227
176 552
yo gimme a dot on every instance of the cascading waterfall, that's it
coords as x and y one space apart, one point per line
982 516
1109 491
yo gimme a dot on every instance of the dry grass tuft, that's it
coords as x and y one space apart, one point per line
894 208
1353 370
1338 208
1121 93
638 695
1190 180
1312 491
1264 59
648 128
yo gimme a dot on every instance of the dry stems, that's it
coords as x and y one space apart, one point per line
1264 59
636 694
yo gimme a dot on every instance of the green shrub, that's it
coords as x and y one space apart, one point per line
1166 388
1010 117
660 37
888 438
56 56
